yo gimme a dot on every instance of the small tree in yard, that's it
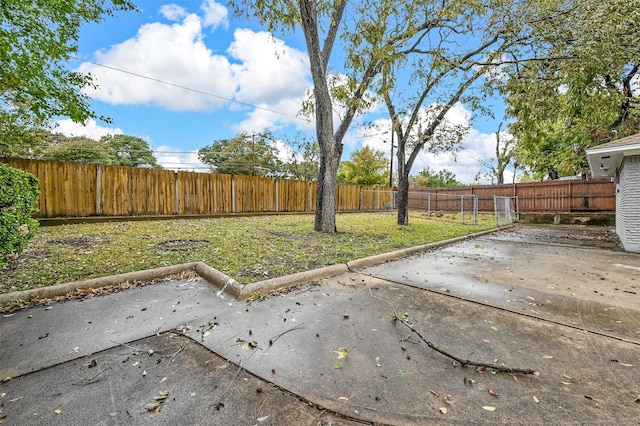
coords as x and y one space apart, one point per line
366 167
429 179
451 56
19 194
245 154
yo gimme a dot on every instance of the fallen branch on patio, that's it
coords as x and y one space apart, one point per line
463 362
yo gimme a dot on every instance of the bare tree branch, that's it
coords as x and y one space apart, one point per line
463 362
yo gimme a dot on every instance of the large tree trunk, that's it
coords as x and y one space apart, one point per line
330 151
325 217
328 203
403 198
319 194
403 176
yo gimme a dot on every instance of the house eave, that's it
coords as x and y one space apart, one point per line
605 161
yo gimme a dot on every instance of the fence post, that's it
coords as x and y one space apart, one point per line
176 207
360 206
233 194
277 197
98 190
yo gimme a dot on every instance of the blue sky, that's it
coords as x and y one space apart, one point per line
241 79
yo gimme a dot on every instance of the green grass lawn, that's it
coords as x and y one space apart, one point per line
248 249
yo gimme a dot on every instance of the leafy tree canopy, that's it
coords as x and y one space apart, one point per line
37 37
429 178
113 150
245 154
130 151
581 91
80 149
366 167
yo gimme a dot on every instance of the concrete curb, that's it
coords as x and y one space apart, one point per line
293 279
222 281
62 289
386 257
226 283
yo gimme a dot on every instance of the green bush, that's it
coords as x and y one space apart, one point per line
18 194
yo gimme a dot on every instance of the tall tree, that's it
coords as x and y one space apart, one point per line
246 154
505 150
80 149
321 22
36 39
454 47
583 91
366 167
303 161
130 151
430 179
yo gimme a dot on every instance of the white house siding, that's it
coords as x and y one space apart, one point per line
627 203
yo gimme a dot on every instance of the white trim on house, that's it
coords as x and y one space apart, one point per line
606 159
621 159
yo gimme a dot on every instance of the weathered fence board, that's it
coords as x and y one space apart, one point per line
294 196
202 193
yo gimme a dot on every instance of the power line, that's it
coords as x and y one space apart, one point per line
146 77
106 149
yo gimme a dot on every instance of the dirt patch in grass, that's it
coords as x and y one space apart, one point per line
81 241
182 244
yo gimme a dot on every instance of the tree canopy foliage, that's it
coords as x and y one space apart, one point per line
130 151
583 88
451 49
302 162
112 150
428 178
245 154
366 167
37 38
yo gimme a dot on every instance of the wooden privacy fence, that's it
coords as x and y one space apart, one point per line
533 197
79 190
69 189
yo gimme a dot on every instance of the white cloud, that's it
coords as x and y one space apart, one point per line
172 53
89 129
267 70
173 12
215 14
256 69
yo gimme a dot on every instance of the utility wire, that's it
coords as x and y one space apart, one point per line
208 94
146 77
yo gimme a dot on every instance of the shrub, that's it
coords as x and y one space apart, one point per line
18 194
